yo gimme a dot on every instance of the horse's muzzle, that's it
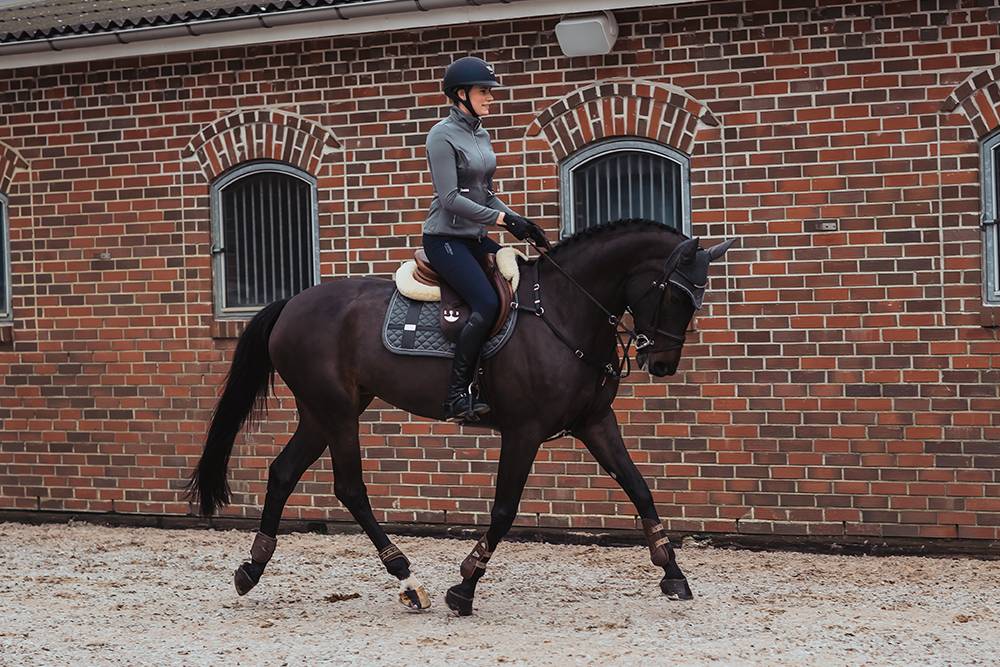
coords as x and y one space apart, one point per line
656 368
662 368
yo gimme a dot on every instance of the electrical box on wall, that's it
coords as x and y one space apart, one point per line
591 35
824 225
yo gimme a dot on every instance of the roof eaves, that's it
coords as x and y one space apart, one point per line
194 16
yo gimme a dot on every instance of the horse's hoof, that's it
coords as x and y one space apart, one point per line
415 598
458 602
243 580
676 589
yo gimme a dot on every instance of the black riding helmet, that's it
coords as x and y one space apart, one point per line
465 73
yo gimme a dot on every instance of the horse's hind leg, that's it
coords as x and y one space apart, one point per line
604 440
349 487
305 446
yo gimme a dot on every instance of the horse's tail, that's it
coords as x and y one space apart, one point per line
245 397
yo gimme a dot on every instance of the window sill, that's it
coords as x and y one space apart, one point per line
226 329
6 335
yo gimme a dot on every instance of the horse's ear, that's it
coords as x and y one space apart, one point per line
683 253
717 251
690 250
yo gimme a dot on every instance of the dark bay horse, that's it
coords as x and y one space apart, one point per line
558 373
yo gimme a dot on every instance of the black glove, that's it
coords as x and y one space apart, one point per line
523 228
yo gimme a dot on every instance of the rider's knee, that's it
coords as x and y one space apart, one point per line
489 309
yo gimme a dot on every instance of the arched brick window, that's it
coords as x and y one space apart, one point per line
622 178
265 243
978 98
623 150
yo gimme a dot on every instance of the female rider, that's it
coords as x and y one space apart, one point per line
462 163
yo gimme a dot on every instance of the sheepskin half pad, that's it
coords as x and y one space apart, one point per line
410 287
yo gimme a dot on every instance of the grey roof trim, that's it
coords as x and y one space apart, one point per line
17 25
321 20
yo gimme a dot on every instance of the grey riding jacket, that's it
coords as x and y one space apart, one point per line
462 163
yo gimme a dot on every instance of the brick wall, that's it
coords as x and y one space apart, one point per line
838 383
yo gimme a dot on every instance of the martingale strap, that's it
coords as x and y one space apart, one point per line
477 559
391 553
606 370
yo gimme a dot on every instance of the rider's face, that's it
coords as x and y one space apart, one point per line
480 97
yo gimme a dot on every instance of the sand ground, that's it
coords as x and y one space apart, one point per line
89 595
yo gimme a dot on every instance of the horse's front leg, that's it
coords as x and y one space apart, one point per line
517 453
603 438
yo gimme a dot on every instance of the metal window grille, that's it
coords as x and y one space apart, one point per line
618 179
266 237
5 261
990 225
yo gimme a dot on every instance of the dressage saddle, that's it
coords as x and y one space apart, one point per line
454 310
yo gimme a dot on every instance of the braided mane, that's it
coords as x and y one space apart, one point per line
598 231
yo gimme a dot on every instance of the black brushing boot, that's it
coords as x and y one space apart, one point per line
459 406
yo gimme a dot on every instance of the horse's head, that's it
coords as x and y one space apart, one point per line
664 297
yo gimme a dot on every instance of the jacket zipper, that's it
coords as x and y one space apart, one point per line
482 157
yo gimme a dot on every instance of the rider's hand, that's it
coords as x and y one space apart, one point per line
523 228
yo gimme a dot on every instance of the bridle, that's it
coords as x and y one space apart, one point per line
644 343
626 336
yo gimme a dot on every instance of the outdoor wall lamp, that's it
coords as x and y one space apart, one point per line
591 35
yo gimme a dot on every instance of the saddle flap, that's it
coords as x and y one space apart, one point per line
504 291
454 310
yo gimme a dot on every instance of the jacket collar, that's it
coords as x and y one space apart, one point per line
467 120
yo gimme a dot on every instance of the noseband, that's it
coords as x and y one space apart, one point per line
645 344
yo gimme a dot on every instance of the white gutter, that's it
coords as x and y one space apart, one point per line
351 19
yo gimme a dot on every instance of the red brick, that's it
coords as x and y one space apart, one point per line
830 384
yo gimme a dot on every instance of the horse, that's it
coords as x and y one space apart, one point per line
558 374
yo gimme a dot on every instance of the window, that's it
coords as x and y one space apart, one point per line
625 178
990 226
265 237
6 312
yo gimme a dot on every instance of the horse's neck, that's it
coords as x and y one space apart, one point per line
601 265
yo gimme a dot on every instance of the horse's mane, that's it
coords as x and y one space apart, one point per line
610 227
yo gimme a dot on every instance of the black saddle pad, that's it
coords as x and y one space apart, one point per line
413 327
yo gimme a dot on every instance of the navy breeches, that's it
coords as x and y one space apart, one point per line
457 260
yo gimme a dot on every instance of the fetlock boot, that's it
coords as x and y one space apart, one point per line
459 405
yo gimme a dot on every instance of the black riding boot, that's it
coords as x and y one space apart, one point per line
459 406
